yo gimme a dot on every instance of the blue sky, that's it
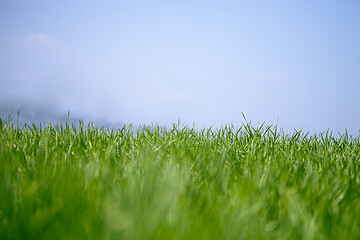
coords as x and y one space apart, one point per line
291 63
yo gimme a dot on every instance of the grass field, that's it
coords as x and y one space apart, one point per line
83 182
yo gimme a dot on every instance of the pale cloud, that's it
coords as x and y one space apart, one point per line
39 39
44 44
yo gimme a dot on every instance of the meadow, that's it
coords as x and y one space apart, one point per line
70 181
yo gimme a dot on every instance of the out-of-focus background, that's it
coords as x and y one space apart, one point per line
291 63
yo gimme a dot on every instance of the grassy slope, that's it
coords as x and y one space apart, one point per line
87 183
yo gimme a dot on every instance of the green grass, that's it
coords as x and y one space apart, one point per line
82 182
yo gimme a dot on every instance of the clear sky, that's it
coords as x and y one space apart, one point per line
291 63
